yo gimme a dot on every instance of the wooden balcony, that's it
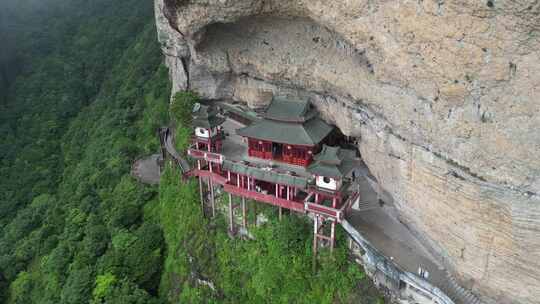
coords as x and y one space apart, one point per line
216 178
216 137
206 155
337 214
266 198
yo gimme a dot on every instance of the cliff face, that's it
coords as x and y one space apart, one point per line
443 95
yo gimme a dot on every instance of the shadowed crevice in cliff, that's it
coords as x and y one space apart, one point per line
170 9
290 52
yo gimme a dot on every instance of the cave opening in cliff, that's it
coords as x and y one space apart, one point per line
293 53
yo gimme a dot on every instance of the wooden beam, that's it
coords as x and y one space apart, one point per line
205 173
324 237
265 198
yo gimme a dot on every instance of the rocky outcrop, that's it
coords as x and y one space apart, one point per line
443 95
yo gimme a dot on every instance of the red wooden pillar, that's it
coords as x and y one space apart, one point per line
319 233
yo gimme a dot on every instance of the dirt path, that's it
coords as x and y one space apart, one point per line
146 170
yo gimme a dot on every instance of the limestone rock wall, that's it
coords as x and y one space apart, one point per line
443 94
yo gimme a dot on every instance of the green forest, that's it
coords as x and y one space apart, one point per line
82 92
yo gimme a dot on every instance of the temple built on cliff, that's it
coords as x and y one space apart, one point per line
283 158
288 157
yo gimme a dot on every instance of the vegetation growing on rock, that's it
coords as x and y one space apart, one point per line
75 227
181 109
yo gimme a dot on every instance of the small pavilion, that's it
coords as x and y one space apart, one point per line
330 168
208 133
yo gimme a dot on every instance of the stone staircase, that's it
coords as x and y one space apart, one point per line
364 206
457 293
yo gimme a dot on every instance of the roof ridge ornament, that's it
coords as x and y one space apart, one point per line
196 107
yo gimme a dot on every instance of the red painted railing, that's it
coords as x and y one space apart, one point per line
260 154
208 156
195 153
306 206
323 210
285 158
267 198
296 161
337 214
213 175
196 138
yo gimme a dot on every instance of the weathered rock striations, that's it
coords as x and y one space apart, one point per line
444 97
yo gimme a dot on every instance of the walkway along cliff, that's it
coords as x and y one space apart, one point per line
289 158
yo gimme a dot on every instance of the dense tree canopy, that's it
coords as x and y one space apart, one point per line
83 91
85 103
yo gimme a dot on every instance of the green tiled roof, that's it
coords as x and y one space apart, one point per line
328 155
206 116
290 111
333 162
309 133
240 111
266 175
